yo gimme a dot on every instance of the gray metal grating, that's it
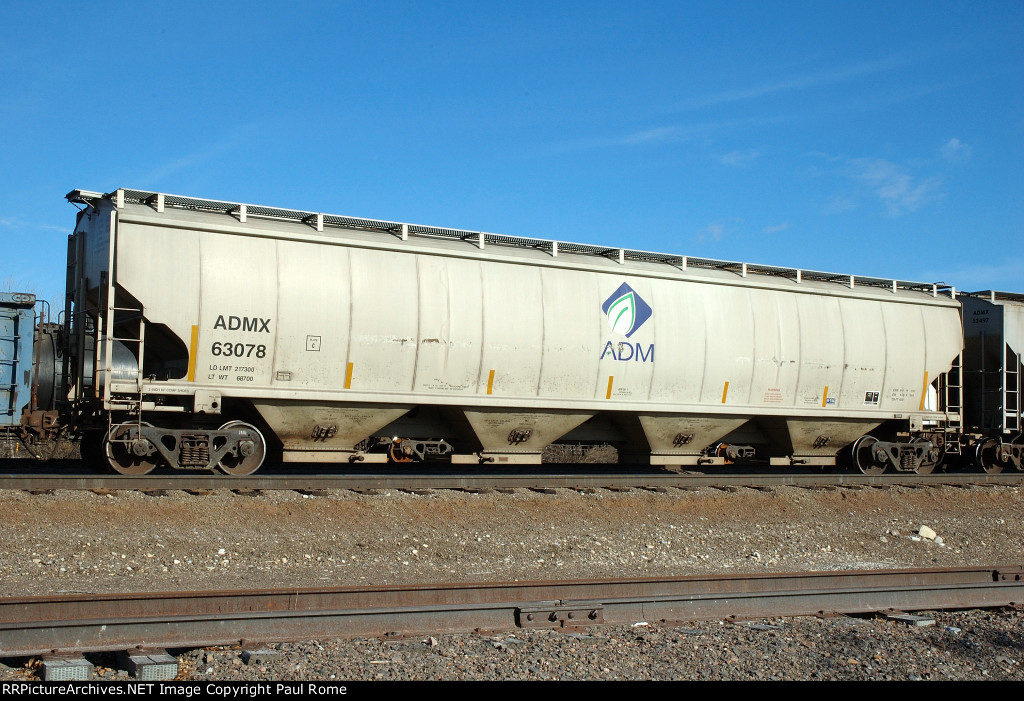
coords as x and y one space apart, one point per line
356 223
996 295
180 202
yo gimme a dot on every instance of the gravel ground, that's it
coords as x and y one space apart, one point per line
129 541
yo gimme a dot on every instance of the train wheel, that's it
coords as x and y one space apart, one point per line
129 456
396 454
986 456
249 454
863 456
926 468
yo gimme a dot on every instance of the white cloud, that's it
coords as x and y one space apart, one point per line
670 133
17 223
827 76
656 135
900 191
213 152
837 204
955 150
717 230
739 159
775 229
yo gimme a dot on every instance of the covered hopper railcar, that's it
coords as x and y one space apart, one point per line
993 372
204 334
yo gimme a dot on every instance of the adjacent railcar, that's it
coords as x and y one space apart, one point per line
17 332
30 368
206 334
993 372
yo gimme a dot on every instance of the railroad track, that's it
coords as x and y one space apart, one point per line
92 623
26 480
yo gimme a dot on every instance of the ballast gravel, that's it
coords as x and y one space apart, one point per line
125 541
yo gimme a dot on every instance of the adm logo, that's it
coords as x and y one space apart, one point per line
626 312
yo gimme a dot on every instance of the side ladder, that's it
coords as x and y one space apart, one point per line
1012 374
951 396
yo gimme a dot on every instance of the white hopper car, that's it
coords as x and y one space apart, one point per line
204 334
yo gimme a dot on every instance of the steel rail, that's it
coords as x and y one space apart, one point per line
490 481
84 623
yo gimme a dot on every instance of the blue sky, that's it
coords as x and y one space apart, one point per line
874 138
